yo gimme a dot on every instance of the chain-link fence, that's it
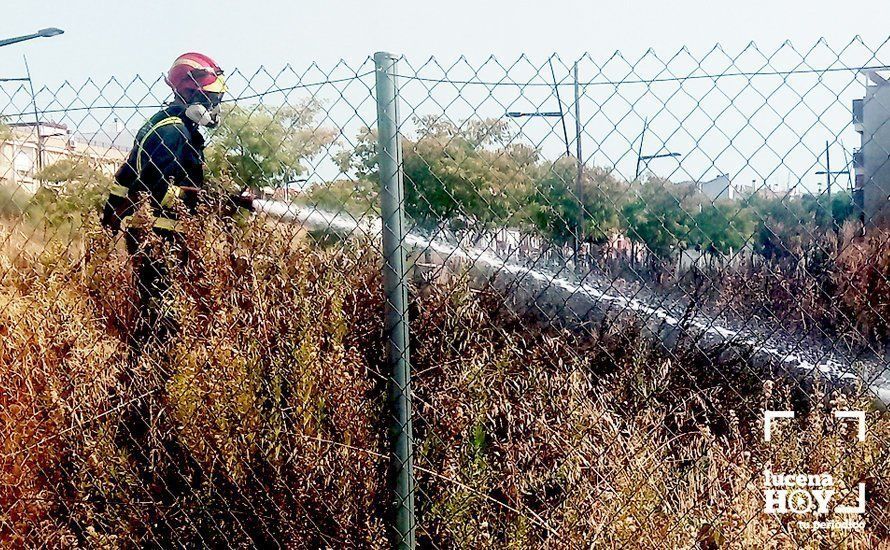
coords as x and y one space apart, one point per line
608 272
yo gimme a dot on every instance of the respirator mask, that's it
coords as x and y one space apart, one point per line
204 109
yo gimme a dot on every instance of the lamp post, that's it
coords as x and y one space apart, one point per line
520 114
578 236
828 173
645 158
579 165
42 33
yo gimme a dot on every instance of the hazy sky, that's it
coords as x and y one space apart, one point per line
723 131
105 38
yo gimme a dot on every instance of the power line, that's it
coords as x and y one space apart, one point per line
654 80
473 82
159 105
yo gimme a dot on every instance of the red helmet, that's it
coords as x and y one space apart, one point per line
194 71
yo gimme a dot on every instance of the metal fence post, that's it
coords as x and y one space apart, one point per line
389 154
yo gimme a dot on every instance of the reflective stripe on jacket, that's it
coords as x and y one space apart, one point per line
168 153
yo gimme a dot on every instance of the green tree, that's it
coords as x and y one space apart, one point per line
5 132
357 196
73 188
470 171
660 215
824 211
555 208
262 145
361 158
721 228
784 225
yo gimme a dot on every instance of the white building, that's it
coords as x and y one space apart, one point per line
25 148
719 188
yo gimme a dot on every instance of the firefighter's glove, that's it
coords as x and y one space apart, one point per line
244 200
112 214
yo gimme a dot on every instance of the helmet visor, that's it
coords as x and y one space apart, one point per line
218 86
209 81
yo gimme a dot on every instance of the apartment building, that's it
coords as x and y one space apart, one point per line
25 148
871 162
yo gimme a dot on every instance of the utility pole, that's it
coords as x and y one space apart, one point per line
640 152
829 174
39 155
579 188
565 133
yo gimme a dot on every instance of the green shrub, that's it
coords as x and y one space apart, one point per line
13 201
72 190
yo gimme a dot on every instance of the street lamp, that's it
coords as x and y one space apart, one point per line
42 33
645 158
829 173
518 114
579 235
661 156
52 31
641 157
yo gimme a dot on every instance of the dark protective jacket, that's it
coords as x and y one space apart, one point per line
167 156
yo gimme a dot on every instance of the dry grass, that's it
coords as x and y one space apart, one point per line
266 415
864 284
843 295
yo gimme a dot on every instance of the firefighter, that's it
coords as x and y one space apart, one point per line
166 166
163 175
